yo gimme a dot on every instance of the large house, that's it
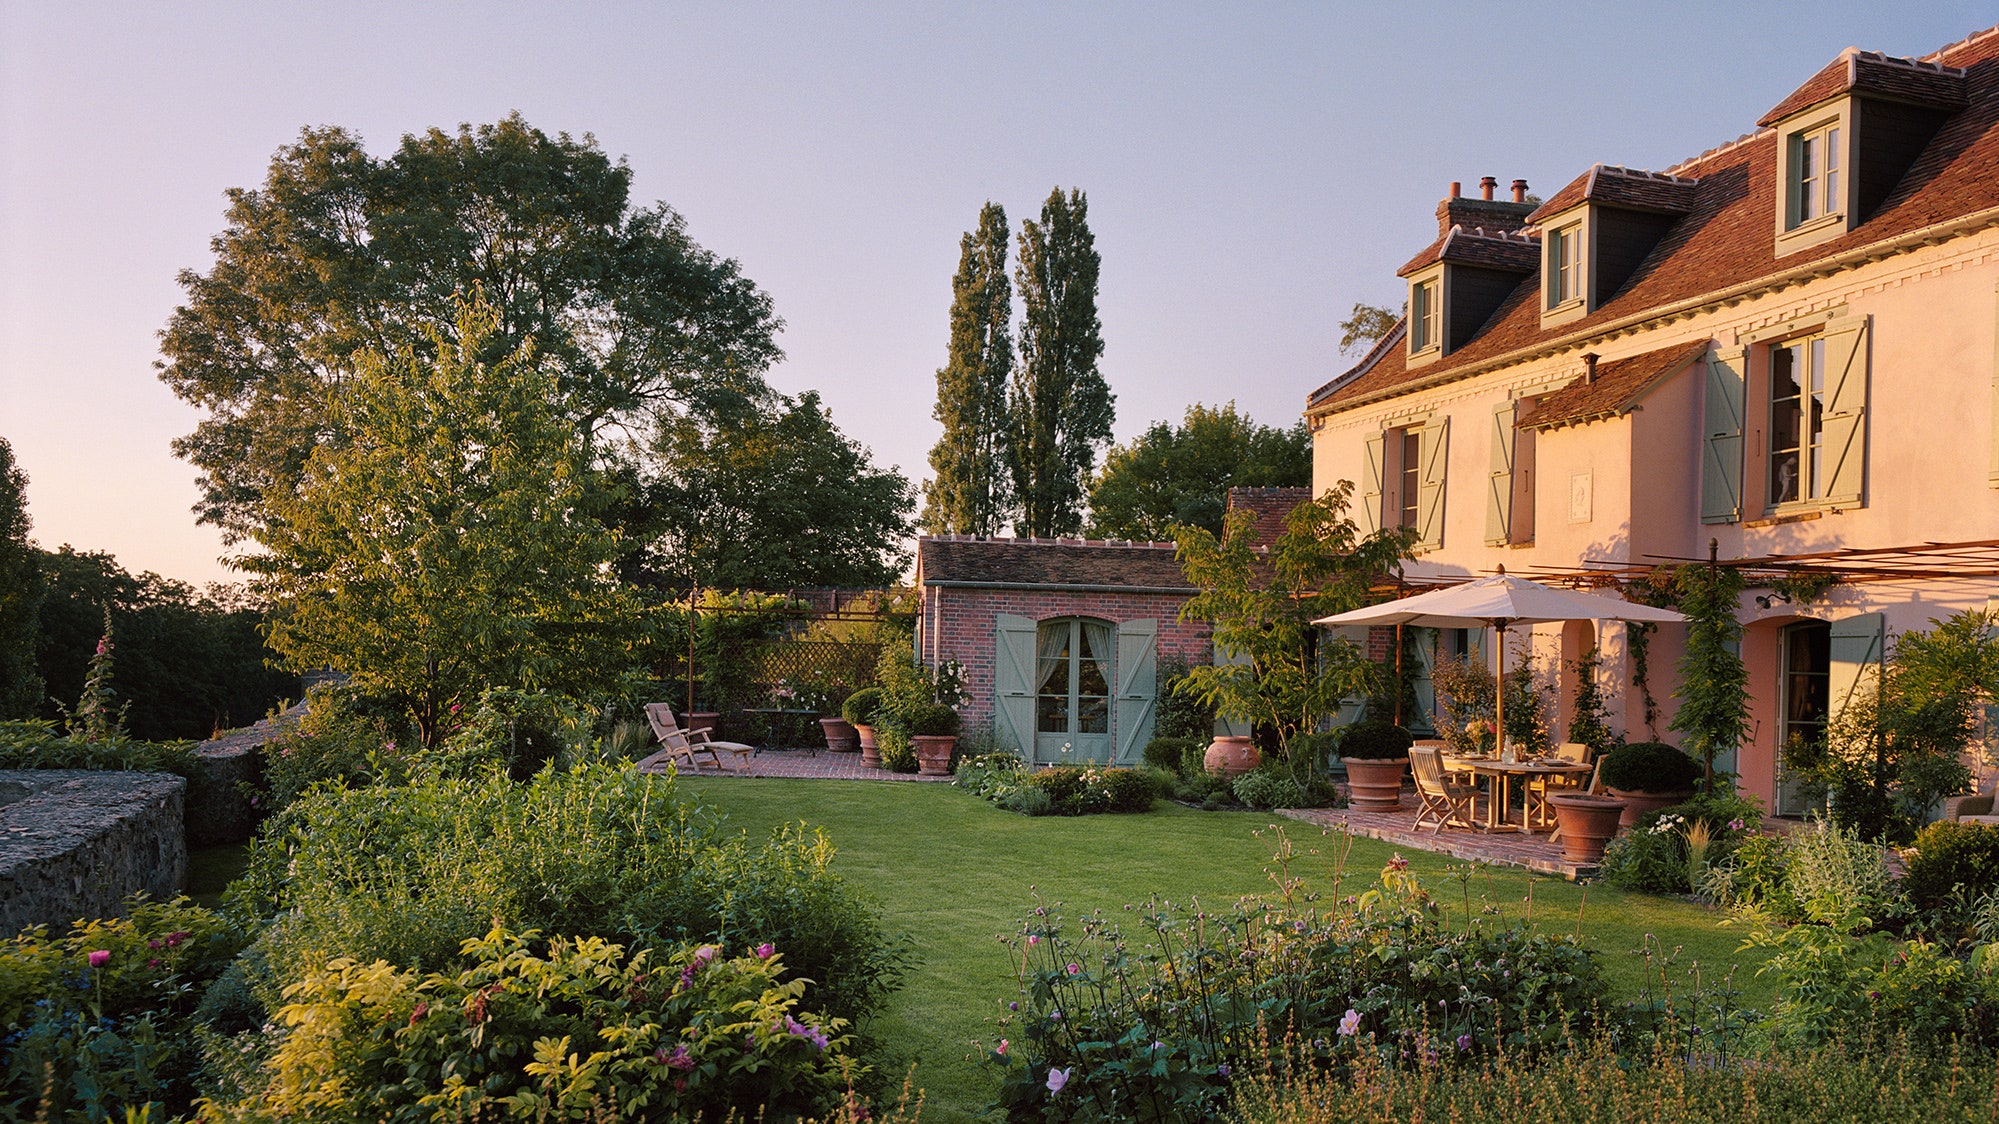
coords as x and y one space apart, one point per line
1782 351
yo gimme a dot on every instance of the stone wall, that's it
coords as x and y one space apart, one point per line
218 803
76 844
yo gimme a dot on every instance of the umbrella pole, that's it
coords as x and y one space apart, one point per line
1499 694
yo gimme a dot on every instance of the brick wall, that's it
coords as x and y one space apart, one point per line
957 624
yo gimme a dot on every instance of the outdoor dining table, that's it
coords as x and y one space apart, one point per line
777 726
1499 781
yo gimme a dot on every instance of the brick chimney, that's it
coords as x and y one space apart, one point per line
1486 211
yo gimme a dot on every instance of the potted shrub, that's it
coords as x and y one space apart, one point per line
1649 776
1376 754
934 730
859 710
1587 823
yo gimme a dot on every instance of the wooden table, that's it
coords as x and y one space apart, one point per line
1499 781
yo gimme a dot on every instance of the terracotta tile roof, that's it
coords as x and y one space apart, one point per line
1724 243
1492 249
967 560
1387 343
1271 505
1629 188
1617 386
1870 72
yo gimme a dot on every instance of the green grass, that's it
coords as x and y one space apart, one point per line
956 872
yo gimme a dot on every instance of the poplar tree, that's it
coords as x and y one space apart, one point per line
970 492
1060 409
20 594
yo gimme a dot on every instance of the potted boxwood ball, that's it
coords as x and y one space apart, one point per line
860 709
934 731
1376 755
1649 776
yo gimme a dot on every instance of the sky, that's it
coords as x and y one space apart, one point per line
1252 171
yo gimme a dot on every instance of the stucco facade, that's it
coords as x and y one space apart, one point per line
1647 421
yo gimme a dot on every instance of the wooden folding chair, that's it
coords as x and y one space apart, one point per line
685 748
1446 803
1595 789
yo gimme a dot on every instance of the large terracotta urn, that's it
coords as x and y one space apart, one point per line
1375 784
1587 822
840 735
871 754
1638 804
1231 756
933 754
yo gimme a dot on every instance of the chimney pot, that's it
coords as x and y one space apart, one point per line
1457 189
1519 191
1589 368
1486 186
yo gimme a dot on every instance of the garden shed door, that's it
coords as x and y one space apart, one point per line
1013 683
1137 673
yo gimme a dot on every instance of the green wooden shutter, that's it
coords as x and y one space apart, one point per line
1499 486
1993 475
1371 485
1433 455
1856 660
1721 455
1013 683
1844 425
1137 689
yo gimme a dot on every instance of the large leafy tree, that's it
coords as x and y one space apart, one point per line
1170 476
1273 666
341 254
453 540
969 493
1060 407
772 496
20 594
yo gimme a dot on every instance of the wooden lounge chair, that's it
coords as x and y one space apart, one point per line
1446 803
688 749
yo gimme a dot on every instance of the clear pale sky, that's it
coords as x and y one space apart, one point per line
1252 171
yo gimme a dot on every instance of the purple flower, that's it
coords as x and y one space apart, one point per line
1223 1070
1057 1078
678 1059
1464 1042
1074 968
766 950
1350 1023
1735 824
1397 862
1014 1006
100 958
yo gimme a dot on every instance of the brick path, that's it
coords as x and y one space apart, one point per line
1518 848
824 765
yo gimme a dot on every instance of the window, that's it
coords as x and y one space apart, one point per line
1409 485
1797 421
1814 174
1073 679
1422 316
1565 272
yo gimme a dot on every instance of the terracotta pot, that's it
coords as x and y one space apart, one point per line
840 735
1231 756
1374 785
1588 824
933 754
871 754
1637 804
700 720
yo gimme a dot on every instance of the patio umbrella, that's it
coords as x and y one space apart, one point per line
1499 602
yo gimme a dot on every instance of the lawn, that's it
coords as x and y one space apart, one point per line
954 872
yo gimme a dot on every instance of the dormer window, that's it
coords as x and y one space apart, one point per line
1815 179
1422 316
1565 266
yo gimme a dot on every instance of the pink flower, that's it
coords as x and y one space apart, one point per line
100 958
1075 968
1032 940
1350 1023
1058 1078
766 950
1001 1048
154 963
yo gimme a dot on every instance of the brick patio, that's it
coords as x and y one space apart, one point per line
1532 851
